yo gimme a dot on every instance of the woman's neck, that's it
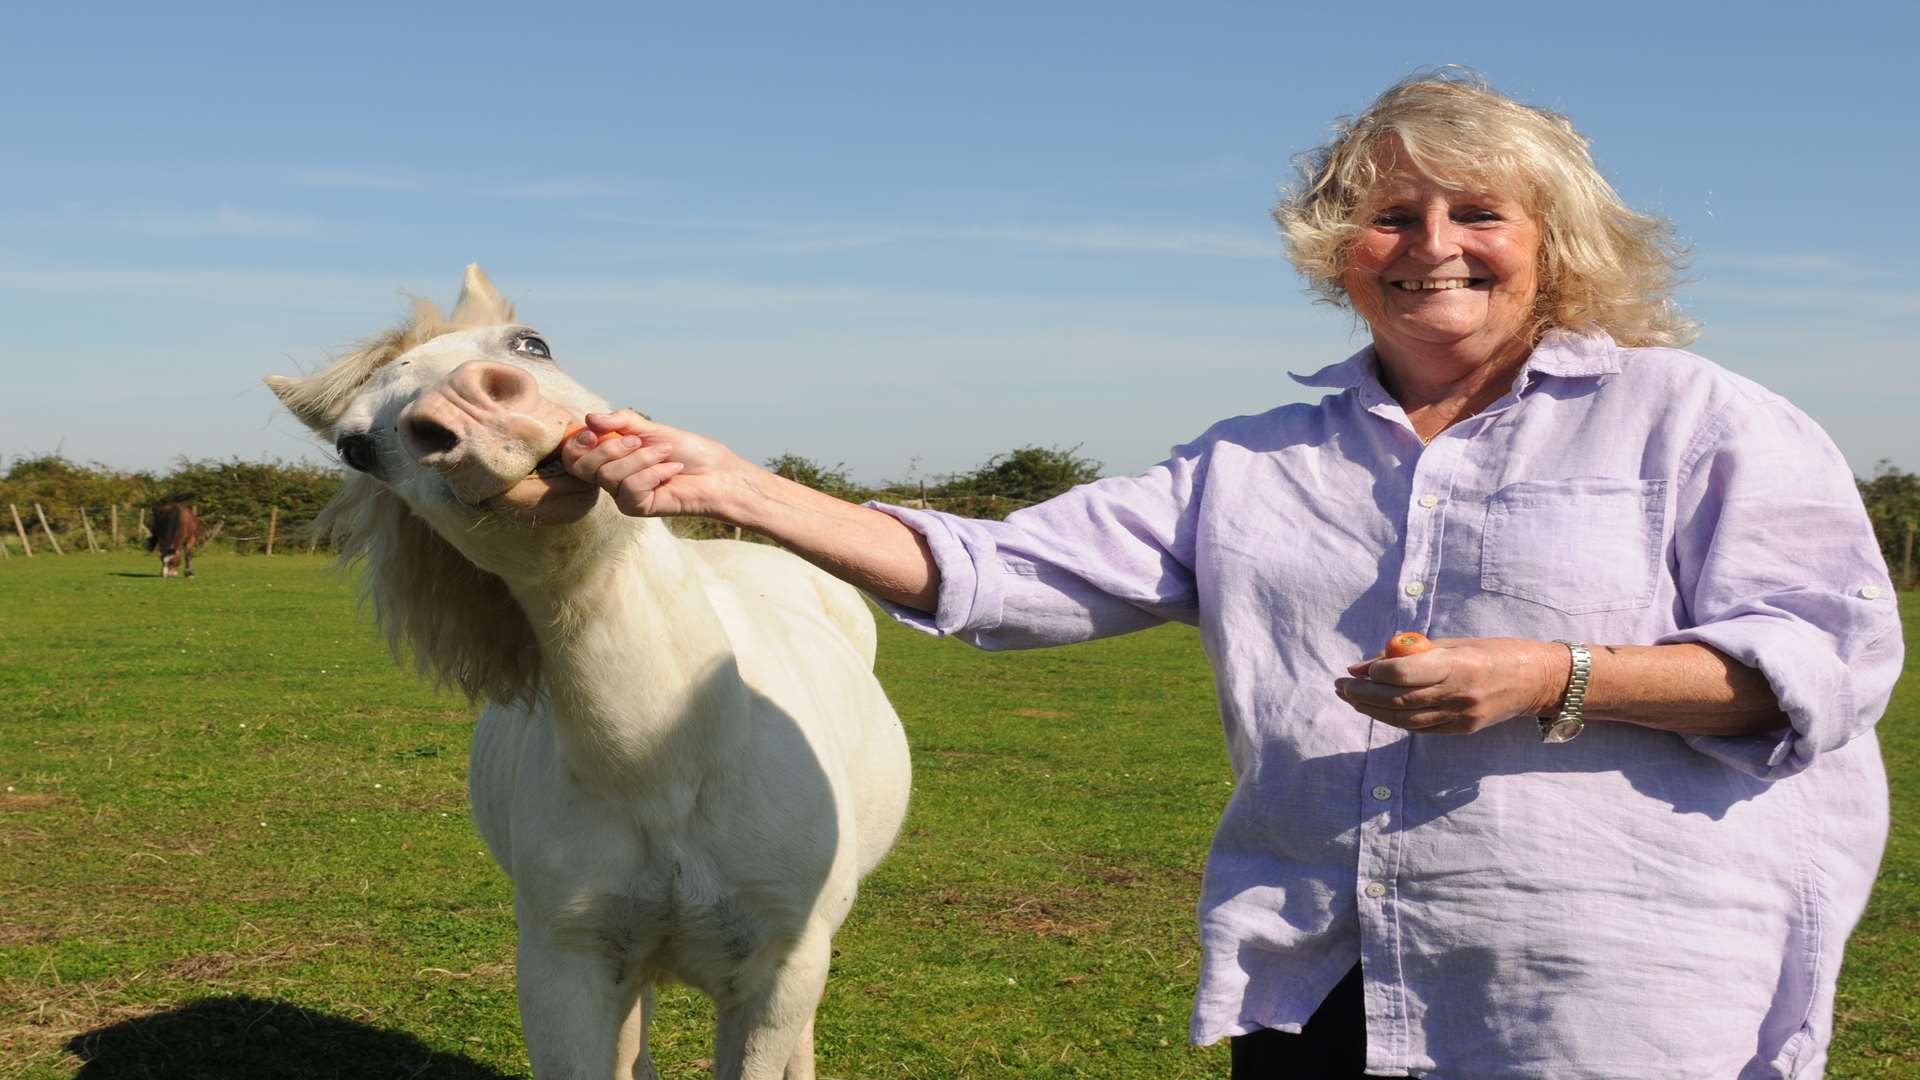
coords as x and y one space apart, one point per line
1439 387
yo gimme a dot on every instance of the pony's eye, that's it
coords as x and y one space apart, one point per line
358 451
532 346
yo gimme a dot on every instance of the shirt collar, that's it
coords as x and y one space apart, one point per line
1561 352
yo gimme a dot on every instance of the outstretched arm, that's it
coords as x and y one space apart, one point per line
653 470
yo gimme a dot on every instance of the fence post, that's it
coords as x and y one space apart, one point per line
113 522
88 525
273 522
21 529
1906 560
48 529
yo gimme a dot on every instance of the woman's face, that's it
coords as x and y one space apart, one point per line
1443 272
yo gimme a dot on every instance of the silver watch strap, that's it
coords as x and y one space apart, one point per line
1571 718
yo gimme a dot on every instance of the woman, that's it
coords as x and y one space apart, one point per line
1619 821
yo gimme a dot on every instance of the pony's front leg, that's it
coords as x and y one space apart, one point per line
766 1032
632 1060
575 1013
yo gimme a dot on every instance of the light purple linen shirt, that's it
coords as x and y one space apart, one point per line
1633 903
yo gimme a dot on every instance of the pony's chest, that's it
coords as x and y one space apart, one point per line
669 922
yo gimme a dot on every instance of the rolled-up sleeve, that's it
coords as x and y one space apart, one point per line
1105 558
1778 568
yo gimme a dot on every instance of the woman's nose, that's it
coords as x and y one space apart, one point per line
1438 238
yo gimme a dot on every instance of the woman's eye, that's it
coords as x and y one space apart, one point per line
532 346
1392 219
358 452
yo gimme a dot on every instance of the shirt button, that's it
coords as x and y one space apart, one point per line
1383 793
1871 592
1429 501
1415 588
1376 890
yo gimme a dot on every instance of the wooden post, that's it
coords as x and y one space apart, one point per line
273 522
207 540
1906 560
88 526
48 529
113 522
21 529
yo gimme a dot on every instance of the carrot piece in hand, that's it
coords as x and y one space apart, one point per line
1407 642
576 428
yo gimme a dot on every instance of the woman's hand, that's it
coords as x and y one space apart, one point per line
1459 686
653 470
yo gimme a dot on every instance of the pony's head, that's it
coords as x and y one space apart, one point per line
450 428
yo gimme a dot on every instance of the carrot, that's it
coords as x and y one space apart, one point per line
573 429
1408 642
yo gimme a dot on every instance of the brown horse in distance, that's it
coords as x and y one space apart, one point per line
176 530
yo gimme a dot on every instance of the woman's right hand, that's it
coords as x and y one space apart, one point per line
653 470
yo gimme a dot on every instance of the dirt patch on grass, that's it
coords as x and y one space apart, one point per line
1061 914
31 800
1043 714
23 934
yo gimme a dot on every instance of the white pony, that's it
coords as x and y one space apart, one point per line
686 764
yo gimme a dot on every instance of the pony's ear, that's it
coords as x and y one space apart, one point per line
300 398
480 304
320 398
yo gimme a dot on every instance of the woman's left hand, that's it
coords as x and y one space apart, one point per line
1459 686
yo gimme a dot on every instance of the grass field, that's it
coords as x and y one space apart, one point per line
234 844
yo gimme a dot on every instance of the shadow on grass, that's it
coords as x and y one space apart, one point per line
246 1038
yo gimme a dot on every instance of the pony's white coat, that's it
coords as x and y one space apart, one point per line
685 765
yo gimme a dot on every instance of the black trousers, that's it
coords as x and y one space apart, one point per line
1331 1046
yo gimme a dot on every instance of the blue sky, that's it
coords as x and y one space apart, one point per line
892 236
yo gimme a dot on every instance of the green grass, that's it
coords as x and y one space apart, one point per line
234 843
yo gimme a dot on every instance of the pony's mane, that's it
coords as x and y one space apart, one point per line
319 399
461 623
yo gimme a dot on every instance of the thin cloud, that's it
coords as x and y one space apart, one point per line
228 221
415 182
804 237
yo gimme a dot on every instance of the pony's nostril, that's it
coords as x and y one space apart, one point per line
426 437
501 383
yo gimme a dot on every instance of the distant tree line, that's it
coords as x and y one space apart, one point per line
241 496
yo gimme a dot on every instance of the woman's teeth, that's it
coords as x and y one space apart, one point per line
1439 283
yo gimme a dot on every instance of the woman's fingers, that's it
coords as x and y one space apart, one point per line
638 493
623 420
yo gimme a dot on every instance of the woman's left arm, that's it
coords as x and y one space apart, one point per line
1463 685
1789 644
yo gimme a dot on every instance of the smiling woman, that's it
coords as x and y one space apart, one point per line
1509 854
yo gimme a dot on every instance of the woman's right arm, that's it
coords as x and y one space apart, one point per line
653 470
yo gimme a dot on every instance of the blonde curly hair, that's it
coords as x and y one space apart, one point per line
1601 265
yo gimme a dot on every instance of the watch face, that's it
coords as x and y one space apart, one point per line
1561 730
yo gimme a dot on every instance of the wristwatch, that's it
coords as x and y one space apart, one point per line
1569 721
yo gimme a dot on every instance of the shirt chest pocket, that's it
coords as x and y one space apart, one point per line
1579 545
